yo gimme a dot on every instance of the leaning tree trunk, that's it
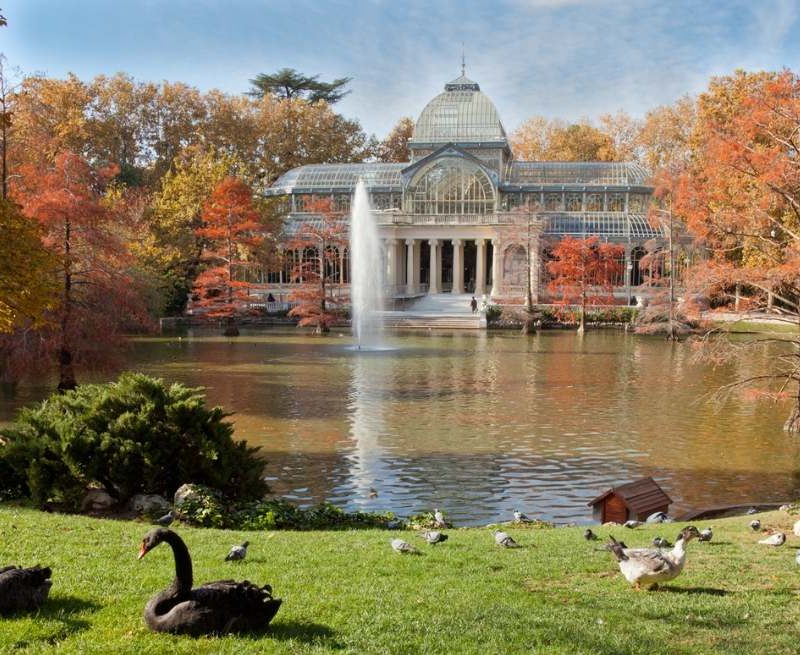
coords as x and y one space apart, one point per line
793 422
66 369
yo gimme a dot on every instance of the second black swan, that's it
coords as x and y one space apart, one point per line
23 589
213 608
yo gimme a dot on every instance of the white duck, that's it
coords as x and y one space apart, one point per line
646 567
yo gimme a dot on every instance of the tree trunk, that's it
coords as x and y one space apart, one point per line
793 422
66 370
582 319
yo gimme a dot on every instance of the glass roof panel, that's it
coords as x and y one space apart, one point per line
590 173
604 224
338 178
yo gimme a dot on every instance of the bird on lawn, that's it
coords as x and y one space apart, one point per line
403 547
706 534
23 589
503 539
646 568
519 517
167 519
657 517
434 537
632 524
438 519
660 542
797 557
755 525
777 539
237 552
752 510
589 535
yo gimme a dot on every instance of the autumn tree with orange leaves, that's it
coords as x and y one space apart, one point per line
741 198
583 273
314 298
232 232
83 229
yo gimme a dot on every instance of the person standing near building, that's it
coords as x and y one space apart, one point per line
473 304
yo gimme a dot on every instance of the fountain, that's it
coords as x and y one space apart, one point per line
366 272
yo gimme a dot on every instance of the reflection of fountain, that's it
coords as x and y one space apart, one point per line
366 272
367 425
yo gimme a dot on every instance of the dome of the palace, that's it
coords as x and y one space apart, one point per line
462 114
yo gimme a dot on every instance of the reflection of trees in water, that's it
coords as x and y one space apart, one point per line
477 423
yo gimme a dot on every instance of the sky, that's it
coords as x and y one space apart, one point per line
557 58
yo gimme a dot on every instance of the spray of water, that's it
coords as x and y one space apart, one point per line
366 272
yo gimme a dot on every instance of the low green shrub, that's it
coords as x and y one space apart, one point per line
135 435
204 507
276 514
493 312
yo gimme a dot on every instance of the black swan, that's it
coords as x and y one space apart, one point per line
213 608
23 589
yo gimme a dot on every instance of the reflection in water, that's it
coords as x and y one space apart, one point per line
481 423
366 407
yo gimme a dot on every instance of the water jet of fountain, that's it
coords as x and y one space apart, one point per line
366 272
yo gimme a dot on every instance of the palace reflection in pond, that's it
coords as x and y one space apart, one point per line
461 215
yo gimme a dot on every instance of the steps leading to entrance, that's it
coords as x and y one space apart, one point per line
438 311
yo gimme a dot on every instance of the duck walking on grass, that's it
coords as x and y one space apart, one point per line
213 608
23 589
645 568
237 553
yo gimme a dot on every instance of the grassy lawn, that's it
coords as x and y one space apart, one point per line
348 592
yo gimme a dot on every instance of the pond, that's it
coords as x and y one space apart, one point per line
479 423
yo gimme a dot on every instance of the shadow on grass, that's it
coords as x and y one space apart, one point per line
708 591
59 610
300 631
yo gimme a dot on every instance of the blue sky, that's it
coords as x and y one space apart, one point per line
558 58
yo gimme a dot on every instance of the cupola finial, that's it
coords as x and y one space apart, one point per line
463 61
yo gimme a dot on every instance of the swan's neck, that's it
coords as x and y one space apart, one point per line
183 563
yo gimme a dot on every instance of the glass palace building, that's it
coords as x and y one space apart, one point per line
461 216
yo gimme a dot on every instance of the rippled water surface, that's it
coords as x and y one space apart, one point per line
479 423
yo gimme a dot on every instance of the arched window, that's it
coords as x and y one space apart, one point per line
637 275
451 186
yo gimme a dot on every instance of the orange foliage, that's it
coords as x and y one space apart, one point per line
232 231
583 272
313 298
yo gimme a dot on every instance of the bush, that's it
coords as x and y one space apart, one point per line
280 514
204 507
135 435
493 312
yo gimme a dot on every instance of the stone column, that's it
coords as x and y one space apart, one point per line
391 264
435 284
480 267
411 278
458 266
497 273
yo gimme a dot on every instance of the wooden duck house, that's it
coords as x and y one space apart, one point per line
634 500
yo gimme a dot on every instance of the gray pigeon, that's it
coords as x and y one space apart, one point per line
632 524
660 542
403 547
589 535
777 539
706 534
434 537
752 510
519 517
167 519
503 539
438 519
755 525
237 552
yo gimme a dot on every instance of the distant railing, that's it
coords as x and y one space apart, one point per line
439 219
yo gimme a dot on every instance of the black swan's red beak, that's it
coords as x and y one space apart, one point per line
143 550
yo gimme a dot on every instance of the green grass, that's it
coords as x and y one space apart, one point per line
348 592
